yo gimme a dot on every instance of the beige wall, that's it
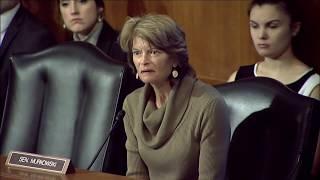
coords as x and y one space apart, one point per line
217 30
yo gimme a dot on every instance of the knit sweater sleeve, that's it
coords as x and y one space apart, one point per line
136 167
214 142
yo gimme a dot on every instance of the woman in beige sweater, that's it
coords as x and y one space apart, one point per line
176 125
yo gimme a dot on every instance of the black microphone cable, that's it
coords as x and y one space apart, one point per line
118 118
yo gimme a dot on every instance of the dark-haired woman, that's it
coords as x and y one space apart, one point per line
84 18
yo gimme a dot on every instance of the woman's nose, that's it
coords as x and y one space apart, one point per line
144 58
262 33
74 7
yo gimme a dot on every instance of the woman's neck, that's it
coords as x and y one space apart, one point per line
83 36
279 63
284 61
286 68
161 93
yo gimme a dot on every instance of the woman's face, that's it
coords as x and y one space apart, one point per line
270 30
153 65
79 16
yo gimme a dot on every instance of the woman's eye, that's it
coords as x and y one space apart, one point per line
273 26
135 53
254 26
154 52
83 1
64 4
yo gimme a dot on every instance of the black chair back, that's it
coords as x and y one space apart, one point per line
62 102
274 130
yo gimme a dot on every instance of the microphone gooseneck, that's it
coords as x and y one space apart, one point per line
118 118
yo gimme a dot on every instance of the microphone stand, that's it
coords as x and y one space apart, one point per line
118 118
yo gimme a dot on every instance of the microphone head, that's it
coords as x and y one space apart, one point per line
120 115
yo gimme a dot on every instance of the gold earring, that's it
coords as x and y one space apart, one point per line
137 76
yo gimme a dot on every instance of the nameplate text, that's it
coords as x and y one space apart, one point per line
38 162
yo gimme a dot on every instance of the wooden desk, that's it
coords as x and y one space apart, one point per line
7 173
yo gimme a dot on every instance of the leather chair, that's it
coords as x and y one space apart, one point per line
62 102
274 130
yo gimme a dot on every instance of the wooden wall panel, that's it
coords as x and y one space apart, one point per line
308 40
116 13
217 30
47 12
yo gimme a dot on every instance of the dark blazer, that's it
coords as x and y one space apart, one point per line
108 43
24 35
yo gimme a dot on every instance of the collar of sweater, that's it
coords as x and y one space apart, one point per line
158 125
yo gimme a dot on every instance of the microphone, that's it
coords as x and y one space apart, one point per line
118 118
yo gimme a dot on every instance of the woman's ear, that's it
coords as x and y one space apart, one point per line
100 10
100 14
295 28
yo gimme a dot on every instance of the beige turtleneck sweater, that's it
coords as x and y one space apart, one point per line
187 138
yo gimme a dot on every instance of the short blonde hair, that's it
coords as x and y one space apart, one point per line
162 32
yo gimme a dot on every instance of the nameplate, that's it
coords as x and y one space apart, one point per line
38 162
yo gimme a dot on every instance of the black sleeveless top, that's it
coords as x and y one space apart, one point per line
248 72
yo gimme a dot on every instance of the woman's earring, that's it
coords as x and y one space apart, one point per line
100 18
137 76
174 72
64 26
294 34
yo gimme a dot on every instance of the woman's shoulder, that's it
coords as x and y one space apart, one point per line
133 97
108 32
108 42
205 92
108 37
243 72
311 85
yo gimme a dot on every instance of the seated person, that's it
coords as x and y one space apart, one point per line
176 125
273 25
84 18
21 32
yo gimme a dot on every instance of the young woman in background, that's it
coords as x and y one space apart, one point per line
273 25
85 19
